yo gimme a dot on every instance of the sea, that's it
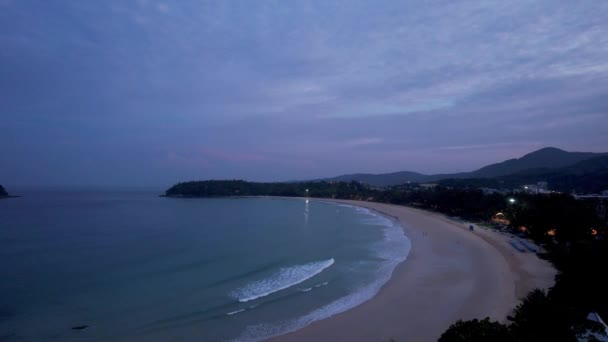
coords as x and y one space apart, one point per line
128 265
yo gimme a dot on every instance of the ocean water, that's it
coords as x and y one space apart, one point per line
133 266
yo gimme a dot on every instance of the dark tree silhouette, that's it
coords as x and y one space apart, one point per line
476 331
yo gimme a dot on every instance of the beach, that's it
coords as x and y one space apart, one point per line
451 273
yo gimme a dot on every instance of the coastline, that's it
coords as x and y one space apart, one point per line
450 273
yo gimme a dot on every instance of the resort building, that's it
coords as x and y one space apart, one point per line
538 188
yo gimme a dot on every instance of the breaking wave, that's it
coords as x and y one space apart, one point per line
284 278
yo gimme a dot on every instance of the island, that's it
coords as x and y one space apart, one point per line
3 192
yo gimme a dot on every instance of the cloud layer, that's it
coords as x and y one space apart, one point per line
152 92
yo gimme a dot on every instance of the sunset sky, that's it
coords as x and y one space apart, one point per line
149 93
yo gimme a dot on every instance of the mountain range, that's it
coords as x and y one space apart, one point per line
565 171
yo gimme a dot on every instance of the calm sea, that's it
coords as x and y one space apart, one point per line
129 265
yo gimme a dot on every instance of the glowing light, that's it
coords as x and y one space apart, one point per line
512 200
593 231
500 218
552 232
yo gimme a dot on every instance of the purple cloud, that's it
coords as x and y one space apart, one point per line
293 89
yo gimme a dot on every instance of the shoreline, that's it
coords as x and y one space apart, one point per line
450 273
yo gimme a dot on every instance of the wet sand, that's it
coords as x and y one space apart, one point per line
451 273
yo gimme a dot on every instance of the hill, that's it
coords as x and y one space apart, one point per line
537 162
548 157
587 176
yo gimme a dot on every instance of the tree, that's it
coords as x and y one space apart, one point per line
547 317
538 319
570 218
476 331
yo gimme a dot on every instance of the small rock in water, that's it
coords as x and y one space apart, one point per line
80 327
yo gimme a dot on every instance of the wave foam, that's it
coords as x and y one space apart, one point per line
393 250
283 279
235 312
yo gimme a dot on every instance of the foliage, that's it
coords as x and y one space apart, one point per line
469 204
476 331
571 219
540 317
581 284
386 179
217 188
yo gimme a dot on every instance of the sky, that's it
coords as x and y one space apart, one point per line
152 92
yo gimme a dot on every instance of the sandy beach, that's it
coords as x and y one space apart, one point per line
451 273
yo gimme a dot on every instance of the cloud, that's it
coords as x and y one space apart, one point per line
162 7
231 155
528 144
286 87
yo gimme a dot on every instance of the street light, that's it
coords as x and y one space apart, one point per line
511 200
